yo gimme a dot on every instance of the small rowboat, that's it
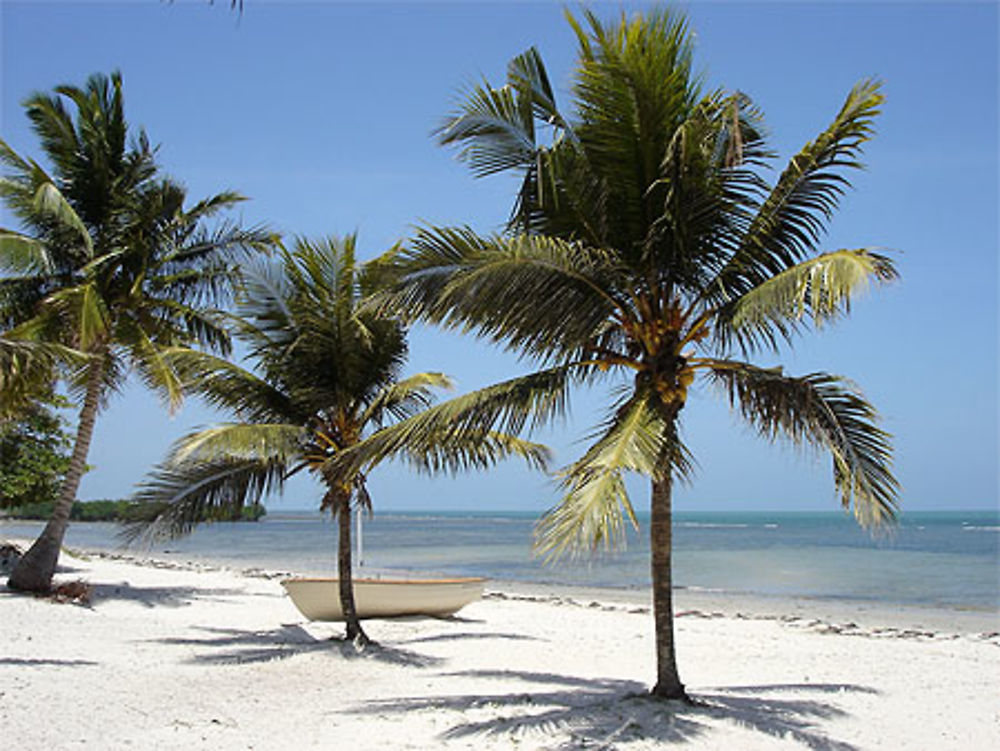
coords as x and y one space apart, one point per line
319 599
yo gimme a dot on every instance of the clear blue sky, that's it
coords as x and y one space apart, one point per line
321 113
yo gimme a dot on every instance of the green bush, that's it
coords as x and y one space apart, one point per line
34 454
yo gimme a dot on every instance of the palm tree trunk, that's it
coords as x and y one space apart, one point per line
35 570
668 682
354 631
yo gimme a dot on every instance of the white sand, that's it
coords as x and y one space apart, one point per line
168 658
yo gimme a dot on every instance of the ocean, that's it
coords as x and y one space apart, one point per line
940 559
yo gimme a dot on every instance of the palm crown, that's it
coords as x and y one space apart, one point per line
108 262
645 242
112 259
326 394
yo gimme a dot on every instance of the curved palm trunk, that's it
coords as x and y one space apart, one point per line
668 682
354 631
35 570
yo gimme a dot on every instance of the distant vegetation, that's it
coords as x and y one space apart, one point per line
123 511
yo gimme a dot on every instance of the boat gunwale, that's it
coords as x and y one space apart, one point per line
355 580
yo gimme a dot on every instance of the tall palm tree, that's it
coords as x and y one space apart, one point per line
107 262
325 395
645 246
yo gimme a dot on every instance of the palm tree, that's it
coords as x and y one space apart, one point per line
645 244
109 263
325 395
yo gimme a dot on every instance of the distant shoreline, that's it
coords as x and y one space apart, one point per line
277 510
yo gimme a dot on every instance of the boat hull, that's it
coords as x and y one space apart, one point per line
319 599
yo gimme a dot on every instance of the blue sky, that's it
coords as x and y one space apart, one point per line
321 112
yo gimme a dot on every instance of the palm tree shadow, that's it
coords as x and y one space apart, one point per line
601 713
470 635
33 661
391 655
782 718
225 646
157 596
459 619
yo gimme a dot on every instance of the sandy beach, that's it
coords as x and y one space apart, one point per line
179 656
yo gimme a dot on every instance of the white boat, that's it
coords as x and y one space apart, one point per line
319 599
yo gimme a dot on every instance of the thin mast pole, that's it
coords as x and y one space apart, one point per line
360 543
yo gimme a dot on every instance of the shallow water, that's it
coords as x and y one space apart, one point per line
946 559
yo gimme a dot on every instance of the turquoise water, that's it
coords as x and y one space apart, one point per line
935 558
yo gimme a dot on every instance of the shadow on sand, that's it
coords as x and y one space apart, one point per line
236 646
157 596
470 635
33 661
584 713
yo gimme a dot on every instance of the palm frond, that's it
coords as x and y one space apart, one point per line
496 129
595 508
460 451
54 126
225 385
542 296
827 412
636 438
28 368
527 75
791 219
590 516
31 195
222 245
170 322
706 191
274 442
20 254
820 289
633 86
405 398
86 312
176 497
263 300
13 160
153 365
505 408
494 132
51 204
212 205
